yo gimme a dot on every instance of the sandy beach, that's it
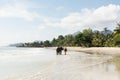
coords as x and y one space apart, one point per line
44 64
97 50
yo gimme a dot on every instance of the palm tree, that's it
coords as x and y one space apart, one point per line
117 30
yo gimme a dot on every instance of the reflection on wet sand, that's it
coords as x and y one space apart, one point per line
116 61
80 66
73 66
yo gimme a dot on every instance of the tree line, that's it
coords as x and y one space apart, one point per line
85 38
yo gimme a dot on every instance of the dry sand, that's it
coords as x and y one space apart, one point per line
97 50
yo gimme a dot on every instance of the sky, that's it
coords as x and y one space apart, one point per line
31 20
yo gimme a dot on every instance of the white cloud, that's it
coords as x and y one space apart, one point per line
41 27
17 11
104 16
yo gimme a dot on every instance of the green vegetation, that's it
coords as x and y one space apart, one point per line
86 38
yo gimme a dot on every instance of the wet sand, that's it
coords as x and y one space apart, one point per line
75 66
79 66
46 65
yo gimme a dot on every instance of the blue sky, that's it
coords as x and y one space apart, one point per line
30 20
